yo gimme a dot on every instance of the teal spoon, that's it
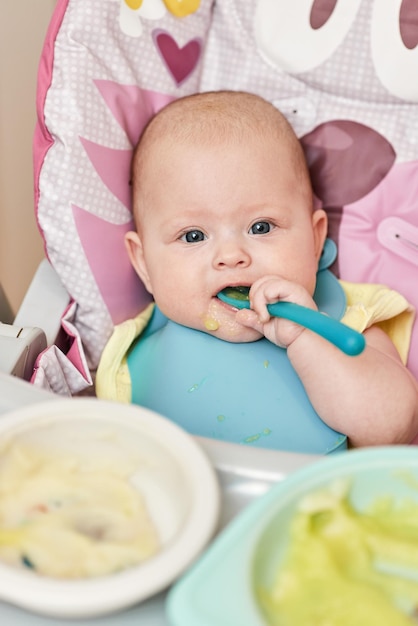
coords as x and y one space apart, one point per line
346 339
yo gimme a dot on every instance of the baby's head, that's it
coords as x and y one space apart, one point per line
216 119
221 196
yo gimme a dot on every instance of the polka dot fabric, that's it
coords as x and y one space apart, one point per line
106 69
98 89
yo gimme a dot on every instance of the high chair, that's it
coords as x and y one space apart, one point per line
343 74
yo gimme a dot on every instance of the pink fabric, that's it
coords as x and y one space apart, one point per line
131 106
113 167
103 240
102 76
394 261
372 205
42 139
63 369
103 244
180 61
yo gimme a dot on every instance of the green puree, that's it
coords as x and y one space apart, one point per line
345 568
238 293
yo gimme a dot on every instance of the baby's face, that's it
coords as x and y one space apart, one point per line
222 216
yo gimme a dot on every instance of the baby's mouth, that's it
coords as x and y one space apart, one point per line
235 297
238 292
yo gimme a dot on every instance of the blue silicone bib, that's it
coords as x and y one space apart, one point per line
246 393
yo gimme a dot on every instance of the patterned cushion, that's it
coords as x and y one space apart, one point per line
343 73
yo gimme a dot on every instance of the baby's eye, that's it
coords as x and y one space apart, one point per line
192 236
260 228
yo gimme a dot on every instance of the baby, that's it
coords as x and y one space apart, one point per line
222 198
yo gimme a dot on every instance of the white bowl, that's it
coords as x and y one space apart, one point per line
176 480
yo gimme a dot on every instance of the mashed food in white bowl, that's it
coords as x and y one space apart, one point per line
102 505
68 518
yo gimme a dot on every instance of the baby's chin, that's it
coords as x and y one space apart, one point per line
243 335
228 329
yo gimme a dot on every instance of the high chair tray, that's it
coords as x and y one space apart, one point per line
244 473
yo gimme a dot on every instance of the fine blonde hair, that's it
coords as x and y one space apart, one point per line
214 117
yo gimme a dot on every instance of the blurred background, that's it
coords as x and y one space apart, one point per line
23 26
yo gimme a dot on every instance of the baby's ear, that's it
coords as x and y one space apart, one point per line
135 251
320 228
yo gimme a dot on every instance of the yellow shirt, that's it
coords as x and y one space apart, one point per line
367 305
377 305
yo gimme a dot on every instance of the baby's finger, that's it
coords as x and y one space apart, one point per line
274 289
249 318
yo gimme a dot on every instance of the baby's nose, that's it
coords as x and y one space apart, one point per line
232 254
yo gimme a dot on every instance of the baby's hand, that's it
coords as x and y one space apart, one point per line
265 291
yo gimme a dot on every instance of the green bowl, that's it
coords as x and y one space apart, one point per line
221 588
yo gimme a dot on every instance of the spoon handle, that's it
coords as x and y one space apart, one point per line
345 338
